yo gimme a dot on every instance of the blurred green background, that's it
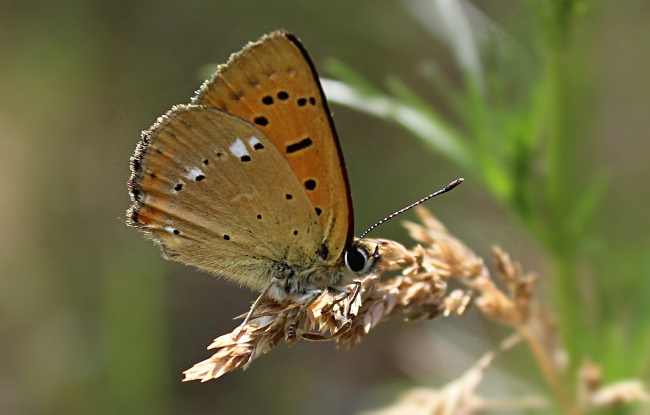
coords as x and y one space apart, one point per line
93 320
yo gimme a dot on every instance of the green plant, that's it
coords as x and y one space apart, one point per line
520 127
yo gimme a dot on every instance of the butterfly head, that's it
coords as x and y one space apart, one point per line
361 257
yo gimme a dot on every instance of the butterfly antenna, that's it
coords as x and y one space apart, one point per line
424 199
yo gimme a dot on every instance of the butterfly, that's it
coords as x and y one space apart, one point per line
248 181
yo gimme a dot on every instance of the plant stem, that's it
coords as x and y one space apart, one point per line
549 372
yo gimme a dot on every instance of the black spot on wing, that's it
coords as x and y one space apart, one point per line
302 144
133 215
310 184
136 194
323 251
261 121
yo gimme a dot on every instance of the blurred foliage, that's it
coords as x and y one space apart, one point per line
551 119
519 115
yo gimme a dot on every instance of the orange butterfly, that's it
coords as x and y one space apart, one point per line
248 181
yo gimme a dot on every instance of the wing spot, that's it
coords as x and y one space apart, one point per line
245 158
238 148
206 162
134 217
319 211
255 143
226 237
261 121
302 102
295 232
312 101
323 251
289 196
195 173
236 96
259 216
292 148
219 154
178 187
267 100
310 184
283 95
152 175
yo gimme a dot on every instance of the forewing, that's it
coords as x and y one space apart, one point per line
273 84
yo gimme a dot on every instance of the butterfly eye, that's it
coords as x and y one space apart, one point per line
358 259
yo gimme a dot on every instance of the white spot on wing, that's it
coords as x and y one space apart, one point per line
252 141
239 148
192 175
170 229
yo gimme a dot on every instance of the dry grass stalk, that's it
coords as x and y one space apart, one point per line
593 394
460 397
419 292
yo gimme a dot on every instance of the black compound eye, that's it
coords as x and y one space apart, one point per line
356 259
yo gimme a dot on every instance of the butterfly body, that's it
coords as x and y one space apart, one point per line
248 181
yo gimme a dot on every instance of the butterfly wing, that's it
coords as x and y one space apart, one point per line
273 84
216 193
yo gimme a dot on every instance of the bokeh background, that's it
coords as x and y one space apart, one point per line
93 320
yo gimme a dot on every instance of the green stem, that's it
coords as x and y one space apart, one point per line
567 299
561 242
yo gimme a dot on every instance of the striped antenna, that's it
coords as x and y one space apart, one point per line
424 199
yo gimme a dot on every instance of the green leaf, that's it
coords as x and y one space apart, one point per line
438 136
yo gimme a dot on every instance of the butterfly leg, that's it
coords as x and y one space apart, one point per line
343 294
357 290
313 297
256 303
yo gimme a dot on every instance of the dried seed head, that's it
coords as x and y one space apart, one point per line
346 316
